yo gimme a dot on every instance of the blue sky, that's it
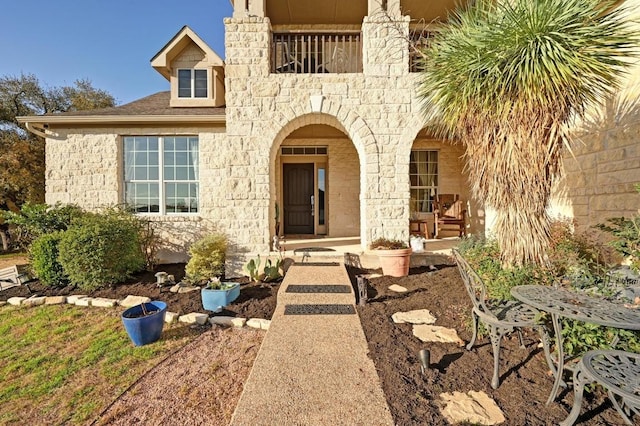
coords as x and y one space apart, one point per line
109 42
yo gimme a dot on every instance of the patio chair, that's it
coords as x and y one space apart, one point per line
500 316
449 211
12 277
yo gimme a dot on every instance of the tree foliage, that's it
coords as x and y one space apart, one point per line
507 78
22 153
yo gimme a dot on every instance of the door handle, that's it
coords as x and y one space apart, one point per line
312 206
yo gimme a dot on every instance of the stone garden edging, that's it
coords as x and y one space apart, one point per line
130 300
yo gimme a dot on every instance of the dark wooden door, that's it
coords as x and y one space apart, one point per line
297 193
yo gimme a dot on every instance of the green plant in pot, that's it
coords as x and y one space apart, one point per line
205 267
394 256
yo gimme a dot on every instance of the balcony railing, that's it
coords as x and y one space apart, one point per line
316 53
419 40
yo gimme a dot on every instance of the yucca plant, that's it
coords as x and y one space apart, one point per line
507 78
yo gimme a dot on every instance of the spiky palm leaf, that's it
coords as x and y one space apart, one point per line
506 78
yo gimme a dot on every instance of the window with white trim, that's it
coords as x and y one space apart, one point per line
423 177
161 174
192 83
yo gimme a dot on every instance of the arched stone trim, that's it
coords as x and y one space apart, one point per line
299 114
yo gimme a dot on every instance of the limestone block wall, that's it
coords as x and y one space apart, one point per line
376 109
85 167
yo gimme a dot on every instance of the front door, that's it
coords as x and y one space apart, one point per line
298 198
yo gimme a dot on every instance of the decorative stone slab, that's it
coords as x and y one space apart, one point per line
175 288
188 289
397 288
74 297
418 316
84 301
228 321
15 301
434 333
194 318
472 407
171 317
103 302
259 323
55 300
34 301
331 309
324 288
372 276
130 301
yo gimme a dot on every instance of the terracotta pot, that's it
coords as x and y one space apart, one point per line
395 262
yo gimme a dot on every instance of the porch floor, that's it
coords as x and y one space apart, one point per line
325 249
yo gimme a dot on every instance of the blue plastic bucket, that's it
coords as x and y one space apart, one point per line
143 330
214 299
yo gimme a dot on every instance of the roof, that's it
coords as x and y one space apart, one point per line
146 110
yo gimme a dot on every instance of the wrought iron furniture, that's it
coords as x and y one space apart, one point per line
449 211
618 372
501 316
560 302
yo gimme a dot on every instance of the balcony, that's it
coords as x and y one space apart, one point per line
316 53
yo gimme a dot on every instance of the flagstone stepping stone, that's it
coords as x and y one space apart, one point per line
130 301
398 288
418 316
371 276
55 300
15 301
471 407
434 333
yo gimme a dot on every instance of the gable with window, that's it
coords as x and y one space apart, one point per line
423 177
161 174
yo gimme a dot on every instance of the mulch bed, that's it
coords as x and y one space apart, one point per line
412 397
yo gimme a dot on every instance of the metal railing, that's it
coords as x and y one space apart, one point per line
316 53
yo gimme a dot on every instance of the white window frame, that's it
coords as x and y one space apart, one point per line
192 80
433 188
162 181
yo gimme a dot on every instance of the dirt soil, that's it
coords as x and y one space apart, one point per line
189 386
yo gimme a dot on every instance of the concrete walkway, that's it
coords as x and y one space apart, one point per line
313 369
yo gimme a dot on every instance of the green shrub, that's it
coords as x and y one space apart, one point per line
100 249
207 259
43 255
35 220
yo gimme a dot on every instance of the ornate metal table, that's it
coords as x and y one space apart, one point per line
563 303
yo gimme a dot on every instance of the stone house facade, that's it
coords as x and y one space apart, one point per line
313 115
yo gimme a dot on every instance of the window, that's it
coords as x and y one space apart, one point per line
303 150
161 174
423 177
192 83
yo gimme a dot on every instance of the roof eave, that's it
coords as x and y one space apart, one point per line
44 120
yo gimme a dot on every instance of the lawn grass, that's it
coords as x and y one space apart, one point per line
65 364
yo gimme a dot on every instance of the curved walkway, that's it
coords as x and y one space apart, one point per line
313 369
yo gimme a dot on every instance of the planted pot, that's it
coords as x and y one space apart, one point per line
395 262
214 299
144 322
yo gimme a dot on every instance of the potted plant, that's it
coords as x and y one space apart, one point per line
394 255
217 294
205 267
144 322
